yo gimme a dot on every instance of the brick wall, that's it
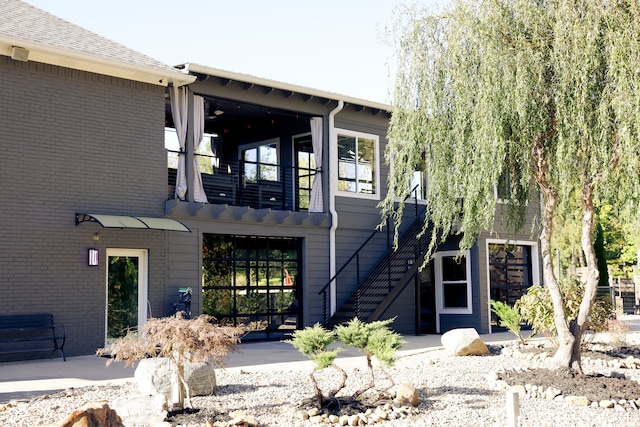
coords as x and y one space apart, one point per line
72 142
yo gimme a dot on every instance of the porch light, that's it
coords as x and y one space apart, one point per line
93 256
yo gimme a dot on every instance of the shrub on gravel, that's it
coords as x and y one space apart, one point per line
375 339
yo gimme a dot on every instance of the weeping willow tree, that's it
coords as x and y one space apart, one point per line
545 93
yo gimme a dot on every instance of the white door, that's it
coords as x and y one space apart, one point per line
127 277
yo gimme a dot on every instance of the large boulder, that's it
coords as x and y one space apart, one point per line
156 375
464 342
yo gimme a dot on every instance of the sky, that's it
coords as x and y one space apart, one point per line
331 45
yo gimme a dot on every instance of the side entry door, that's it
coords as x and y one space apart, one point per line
127 279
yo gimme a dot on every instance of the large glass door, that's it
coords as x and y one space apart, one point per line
253 282
126 292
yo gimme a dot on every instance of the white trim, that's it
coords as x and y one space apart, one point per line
535 267
143 283
334 174
333 186
159 74
440 308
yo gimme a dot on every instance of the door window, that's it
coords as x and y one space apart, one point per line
126 292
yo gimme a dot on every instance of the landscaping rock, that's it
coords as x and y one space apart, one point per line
155 375
406 394
146 409
93 414
464 342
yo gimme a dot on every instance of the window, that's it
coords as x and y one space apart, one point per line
261 161
305 170
252 281
206 153
453 282
357 163
512 270
419 182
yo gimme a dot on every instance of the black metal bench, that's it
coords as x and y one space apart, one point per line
26 333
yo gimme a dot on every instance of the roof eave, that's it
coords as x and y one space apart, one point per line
106 66
201 69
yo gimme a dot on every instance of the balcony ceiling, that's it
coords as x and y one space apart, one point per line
228 117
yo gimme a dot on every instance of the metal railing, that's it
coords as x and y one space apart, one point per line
253 184
372 270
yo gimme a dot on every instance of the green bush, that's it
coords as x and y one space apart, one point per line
375 339
536 308
509 316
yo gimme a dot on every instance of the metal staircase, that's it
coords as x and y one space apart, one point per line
370 295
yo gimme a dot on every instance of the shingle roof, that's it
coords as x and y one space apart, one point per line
22 22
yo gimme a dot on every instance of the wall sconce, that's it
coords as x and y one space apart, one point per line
96 237
93 256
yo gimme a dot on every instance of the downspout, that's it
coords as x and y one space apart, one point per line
333 188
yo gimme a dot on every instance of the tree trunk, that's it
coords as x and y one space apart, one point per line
581 323
566 340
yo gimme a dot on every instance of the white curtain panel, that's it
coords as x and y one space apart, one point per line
315 200
179 112
198 133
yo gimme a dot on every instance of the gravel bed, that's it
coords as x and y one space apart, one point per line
453 391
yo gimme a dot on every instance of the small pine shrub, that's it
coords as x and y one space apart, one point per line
375 339
509 316
313 343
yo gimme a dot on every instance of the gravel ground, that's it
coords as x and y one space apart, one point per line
453 391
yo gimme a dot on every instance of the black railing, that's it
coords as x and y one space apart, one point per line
253 184
373 269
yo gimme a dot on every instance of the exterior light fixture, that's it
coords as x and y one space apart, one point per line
93 256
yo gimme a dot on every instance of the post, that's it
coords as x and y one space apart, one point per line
513 408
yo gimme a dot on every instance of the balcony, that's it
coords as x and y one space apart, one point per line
251 184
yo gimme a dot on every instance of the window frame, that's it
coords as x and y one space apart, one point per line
440 283
375 195
535 264
297 190
244 147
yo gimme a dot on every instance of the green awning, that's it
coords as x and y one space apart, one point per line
129 221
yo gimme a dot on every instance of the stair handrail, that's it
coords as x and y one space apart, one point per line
323 291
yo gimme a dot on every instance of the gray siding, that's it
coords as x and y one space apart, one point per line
75 142
185 258
404 311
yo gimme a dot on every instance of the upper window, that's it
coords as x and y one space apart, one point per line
261 161
206 154
305 170
357 163
453 281
419 182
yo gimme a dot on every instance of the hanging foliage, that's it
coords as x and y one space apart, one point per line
538 95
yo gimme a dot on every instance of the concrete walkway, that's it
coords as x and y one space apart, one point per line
32 378
28 379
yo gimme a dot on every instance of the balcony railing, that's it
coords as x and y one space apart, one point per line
253 184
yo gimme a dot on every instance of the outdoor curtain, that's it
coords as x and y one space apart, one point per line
179 110
198 134
315 199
